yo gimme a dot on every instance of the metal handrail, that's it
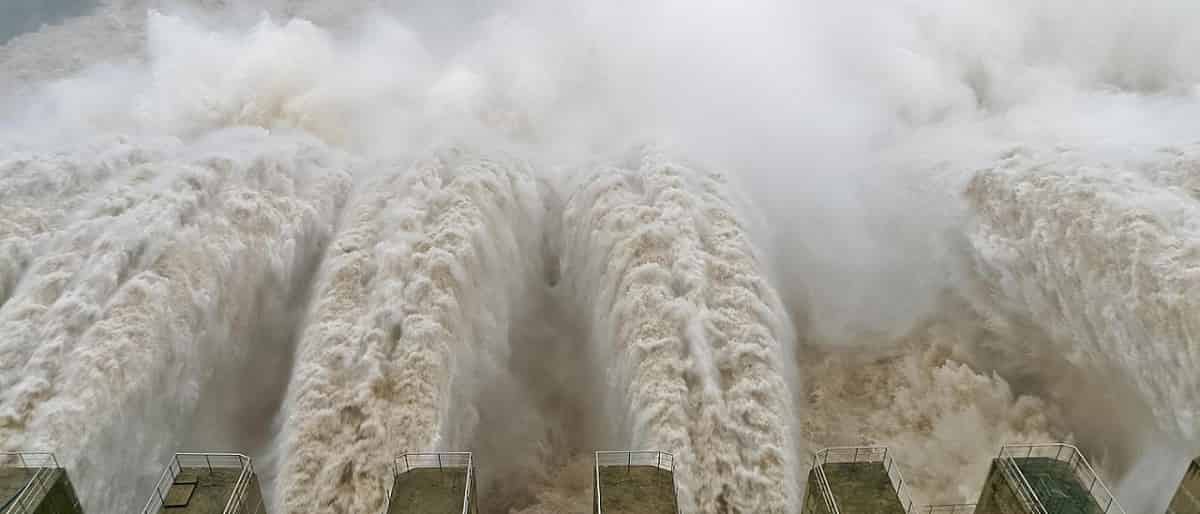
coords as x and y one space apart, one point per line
823 486
175 467
855 454
240 488
658 459
467 489
1020 486
420 460
951 508
46 464
1073 457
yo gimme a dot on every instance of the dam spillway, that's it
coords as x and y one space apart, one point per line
1049 478
324 233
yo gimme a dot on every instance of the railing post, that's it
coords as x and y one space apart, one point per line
855 459
1058 453
628 462
406 466
439 462
209 461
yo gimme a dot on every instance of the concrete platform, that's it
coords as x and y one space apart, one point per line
859 480
35 485
433 483
429 491
200 483
1040 478
1057 486
200 491
637 490
634 482
857 487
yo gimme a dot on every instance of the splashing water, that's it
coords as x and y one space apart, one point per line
325 233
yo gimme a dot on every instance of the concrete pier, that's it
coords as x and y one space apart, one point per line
855 480
1052 478
207 483
634 482
433 483
34 483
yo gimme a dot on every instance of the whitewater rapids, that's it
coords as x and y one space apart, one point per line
324 233
692 334
140 289
410 311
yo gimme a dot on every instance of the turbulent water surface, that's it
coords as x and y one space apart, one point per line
324 233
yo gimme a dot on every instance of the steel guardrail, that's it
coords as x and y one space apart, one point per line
409 461
950 508
629 458
1020 486
208 460
35 488
823 486
856 454
1104 498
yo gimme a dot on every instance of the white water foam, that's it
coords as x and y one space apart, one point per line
145 294
689 329
1075 252
409 319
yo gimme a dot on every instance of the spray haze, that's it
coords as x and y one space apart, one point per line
497 226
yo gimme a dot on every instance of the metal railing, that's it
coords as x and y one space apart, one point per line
1020 487
950 508
435 460
209 461
856 454
1104 498
628 459
44 464
831 505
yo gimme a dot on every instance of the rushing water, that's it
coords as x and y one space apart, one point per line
324 233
